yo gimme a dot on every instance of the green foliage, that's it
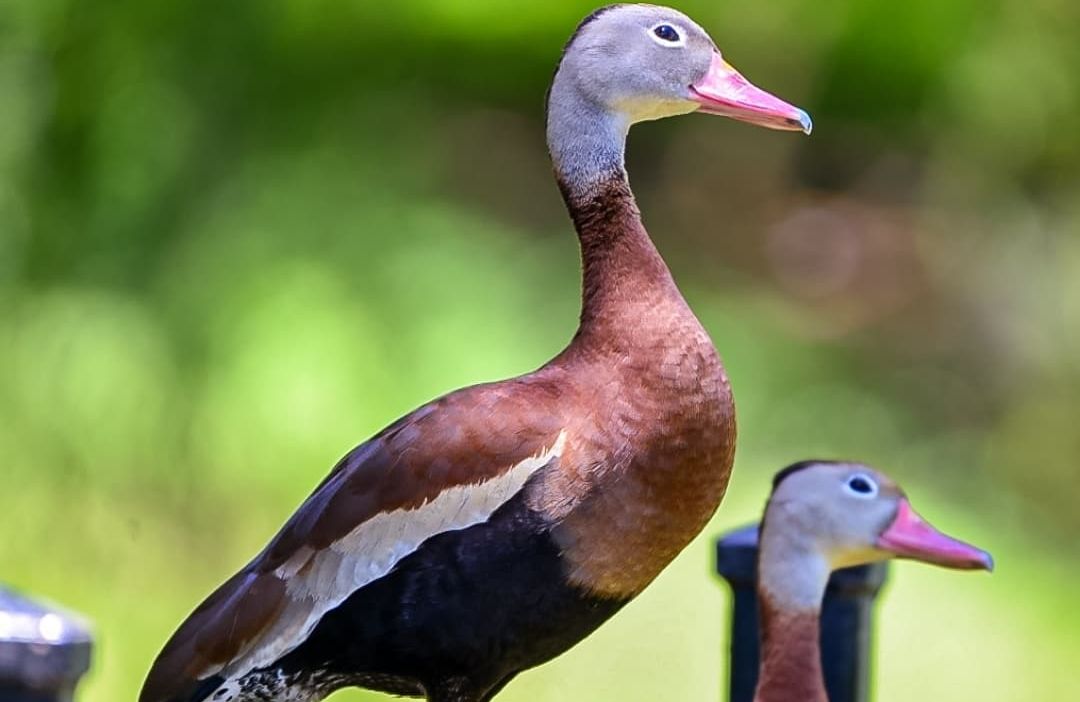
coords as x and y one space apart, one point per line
236 239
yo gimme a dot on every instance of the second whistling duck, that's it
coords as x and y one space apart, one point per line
495 527
822 516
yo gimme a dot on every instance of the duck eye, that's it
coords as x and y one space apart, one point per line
861 486
667 33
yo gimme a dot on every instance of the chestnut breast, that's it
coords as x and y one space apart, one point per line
647 464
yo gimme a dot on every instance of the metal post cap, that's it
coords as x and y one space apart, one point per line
43 650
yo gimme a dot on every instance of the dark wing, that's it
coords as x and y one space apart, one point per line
445 466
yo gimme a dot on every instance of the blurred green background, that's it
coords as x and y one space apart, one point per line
238 238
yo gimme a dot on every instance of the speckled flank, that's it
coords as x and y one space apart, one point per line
274 686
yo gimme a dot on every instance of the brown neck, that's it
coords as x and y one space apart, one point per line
621 268
790 654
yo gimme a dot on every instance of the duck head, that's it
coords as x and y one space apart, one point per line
849 514
646 62
822 516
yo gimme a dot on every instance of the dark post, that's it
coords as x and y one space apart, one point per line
846 619
43 651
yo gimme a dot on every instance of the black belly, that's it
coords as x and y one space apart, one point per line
480 604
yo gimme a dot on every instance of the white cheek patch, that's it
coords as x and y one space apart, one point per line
317 582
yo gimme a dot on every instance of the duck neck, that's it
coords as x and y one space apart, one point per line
620 264
791 584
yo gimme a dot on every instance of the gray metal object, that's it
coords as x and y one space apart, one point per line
846 621
44 651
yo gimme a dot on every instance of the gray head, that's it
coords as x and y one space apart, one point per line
638 60
630 63
826 515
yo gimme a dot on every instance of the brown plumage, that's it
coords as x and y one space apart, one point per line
790 655
493 528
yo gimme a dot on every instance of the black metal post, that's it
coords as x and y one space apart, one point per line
846 621
43 651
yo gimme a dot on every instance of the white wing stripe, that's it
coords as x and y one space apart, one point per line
373 548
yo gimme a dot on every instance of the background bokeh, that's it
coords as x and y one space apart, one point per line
238 238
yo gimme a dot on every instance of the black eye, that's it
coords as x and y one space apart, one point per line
860 485
666 32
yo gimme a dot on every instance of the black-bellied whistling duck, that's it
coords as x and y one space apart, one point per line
822 516
495 527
